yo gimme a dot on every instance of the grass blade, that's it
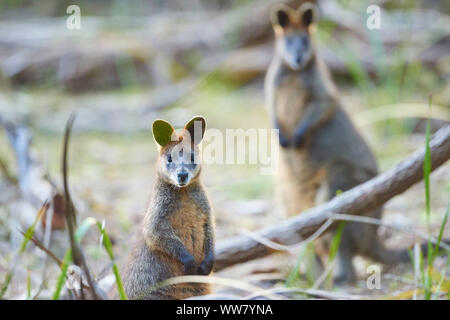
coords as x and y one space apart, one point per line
28 235
78 236
426 174
41 246
28 284
108 247
441 234
335 245
62 275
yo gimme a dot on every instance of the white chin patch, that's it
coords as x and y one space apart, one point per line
295 66
182 184
175 182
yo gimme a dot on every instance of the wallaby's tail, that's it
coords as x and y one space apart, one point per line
391 256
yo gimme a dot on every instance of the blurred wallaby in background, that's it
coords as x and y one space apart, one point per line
322 152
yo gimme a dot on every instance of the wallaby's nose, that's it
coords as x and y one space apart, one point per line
182 177
298 59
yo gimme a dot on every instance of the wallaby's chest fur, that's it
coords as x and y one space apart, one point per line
308 97
333 156
177 220
189 220
177 236
291 101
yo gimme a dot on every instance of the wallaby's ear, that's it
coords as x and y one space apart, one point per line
308 14
196 128
162 132
279 15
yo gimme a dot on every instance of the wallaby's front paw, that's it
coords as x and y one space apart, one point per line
284 143
298 141
206 265
189 265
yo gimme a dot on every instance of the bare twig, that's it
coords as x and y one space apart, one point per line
310 292
41 246
241 285
279 247
369 220
321 279
77 254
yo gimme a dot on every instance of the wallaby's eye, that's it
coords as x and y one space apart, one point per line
169 158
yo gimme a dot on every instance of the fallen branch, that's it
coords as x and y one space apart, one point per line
369 220
360 199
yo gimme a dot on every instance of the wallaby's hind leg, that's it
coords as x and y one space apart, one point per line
344 271
355 236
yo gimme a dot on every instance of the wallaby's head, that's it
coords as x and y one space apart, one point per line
179 153
293 29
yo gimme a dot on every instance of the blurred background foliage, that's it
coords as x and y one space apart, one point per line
134 61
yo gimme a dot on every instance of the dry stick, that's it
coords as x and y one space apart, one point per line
324 275
362 198
343 217
369 220
279 247
310 292
77 254
41 246
57 260
241 285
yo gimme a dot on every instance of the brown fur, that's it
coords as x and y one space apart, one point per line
176 237
322 152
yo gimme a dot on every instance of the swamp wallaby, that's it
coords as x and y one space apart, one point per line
177 236
322 152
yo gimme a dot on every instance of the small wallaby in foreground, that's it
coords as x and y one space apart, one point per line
177 236
322 152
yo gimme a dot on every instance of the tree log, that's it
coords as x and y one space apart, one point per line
356 201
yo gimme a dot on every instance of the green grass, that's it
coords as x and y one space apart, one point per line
28 284
432 251
308 255
435 251
294 278
427 171
334 247
108 247
28 235
79 234
62 276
